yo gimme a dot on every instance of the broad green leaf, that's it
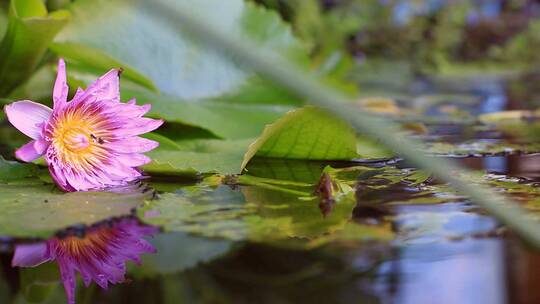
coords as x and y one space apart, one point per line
38 87
3 18
307 133
198 156
225 120
286 169
40 211
190 163
30 30
165 143
369 148
199 86
95 60
290 137
177 64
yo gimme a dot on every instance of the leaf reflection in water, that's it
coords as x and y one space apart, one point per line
99 255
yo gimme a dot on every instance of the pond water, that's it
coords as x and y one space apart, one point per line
386 234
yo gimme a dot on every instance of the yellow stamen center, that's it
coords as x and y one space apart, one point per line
76 139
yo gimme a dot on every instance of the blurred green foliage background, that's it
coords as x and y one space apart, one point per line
432 35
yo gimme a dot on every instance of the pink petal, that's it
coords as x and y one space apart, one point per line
68 277
106 87
138 126
121 172
132 145
134 160
78 94
60 91
129 109
28 117
32 150
58 176
30 255
79 182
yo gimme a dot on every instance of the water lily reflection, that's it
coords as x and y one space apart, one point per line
99 256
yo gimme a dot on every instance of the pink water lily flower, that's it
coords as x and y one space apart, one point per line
99 256
90 142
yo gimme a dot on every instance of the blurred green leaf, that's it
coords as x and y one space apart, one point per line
89 59
225 120
199 87
12 170
37 283
30 30
177 64
38 87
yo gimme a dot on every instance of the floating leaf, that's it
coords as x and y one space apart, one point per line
39 211
199 156
286 169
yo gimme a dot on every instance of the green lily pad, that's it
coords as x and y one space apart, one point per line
32 210
192 157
